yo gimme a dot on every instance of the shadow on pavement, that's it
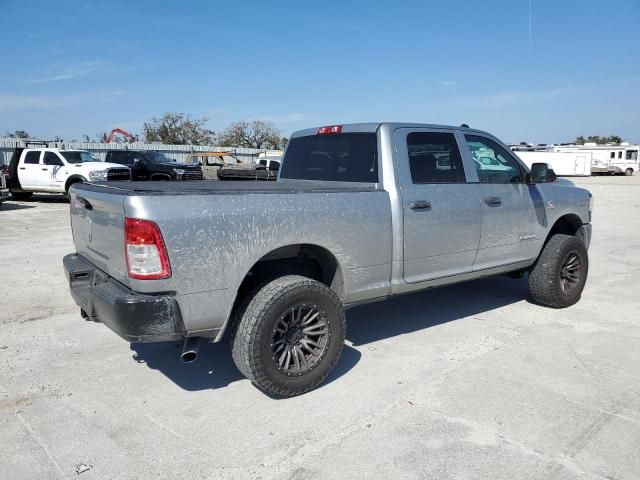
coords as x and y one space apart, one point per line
215 369
14 206
47 198
417 311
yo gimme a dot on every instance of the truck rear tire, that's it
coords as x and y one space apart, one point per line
558 277
289 336
21 195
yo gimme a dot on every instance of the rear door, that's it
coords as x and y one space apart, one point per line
509 222
30 172
441 210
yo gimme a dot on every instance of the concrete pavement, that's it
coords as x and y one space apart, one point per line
469 381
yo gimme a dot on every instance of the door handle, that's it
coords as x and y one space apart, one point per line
45 169
493 201
420 205
23 168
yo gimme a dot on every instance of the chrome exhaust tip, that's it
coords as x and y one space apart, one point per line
190 349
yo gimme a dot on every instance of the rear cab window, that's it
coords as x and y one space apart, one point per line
334 157
32 157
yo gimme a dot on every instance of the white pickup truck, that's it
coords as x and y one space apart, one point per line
54 170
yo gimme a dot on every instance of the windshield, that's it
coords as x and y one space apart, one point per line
78 156
345 157
158 157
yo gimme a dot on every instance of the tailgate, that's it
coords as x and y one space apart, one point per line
97 222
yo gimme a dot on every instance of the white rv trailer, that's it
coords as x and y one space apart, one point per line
608 158
565 164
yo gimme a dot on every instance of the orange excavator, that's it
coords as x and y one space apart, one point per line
117 131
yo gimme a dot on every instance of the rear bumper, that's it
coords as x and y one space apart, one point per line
134 316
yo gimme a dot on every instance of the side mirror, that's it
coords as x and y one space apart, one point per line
542 173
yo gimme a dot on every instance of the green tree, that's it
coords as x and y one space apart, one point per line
256 134
179 129
598 140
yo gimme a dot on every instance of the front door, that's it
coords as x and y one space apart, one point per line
56 170
509 222
440 209
139 169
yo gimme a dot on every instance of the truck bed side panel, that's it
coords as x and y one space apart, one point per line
214 240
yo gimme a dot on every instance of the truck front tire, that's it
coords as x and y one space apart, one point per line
558 277
289 336
628 172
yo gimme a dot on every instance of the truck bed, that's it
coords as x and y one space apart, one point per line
215 187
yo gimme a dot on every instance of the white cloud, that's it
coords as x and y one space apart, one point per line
83 69
70 71
514 98
12 101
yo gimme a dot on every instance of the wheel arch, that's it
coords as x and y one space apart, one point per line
160 176
568 224
304 259
73 179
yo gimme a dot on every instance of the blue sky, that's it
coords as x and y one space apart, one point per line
571 67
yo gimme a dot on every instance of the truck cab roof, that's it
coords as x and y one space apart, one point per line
373 127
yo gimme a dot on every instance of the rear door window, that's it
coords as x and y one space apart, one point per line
434 158
343 157
32 157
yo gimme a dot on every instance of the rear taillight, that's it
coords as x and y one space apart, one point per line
329 130
145 250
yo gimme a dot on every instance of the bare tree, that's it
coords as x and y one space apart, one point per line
86 138
178 129
18 134
257 134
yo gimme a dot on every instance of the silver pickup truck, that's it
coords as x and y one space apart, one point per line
359 213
